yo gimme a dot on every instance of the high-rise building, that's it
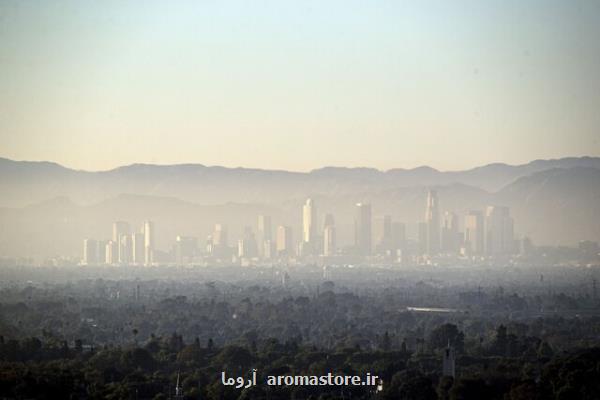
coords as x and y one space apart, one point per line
120 230
385 241
219 242
362 229
102 251
268 248
220 235
264 233
247 244
499 234
422 238
111 252
309 225
91 254
139 245
450 241
285 243
474 233
398 236
432 219
125 249
329 236
148 243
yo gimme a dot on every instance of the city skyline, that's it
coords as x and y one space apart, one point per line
436 240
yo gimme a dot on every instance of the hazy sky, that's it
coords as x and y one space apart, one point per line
299 84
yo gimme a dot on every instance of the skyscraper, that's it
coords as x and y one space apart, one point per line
329 236
102 251
264 234
148 243
398 235
220 235
432 219
385 239
362 229
309 226
499 235
247 244
450 239
111 252
91 254
121 229
219 241
474 232
285 244
422 237
125 249
139 246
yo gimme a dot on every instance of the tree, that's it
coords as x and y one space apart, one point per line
138 358
446 334
470 389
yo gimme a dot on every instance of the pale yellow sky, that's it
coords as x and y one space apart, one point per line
299 85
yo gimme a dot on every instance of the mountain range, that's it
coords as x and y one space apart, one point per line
552 201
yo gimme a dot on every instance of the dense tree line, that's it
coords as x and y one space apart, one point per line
130 339
31 368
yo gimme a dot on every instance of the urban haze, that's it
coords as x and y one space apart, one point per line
196 194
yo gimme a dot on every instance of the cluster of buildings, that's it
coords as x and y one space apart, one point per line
483 233
126 247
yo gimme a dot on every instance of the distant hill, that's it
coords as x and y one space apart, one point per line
556 206
23 182
559 205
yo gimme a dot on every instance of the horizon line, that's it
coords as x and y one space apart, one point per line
198 164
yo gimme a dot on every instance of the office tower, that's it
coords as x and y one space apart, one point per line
362 229
422 238
138 243
309 224
385 242
111 252
432 219
219 242
264 233
220 235
450 239
148 243
102 251
186 248
285 243
387 228
247 244
499 236
120 230
474 233
329 236
125 249
398 236
90 252
267 252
